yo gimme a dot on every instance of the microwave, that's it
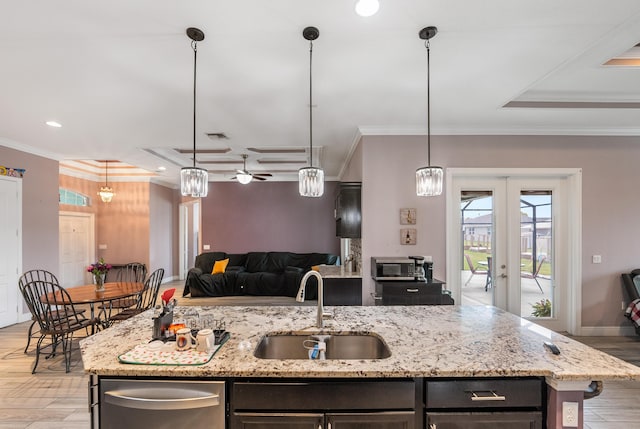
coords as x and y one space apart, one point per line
392 268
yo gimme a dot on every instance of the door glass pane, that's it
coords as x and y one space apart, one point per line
536 245
477 245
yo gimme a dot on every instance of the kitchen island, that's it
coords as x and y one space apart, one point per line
427 343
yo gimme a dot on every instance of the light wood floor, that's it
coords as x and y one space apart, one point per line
53 399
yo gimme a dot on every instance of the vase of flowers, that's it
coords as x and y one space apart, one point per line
99 270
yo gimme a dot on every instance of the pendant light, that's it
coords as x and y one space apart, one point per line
311 179
428 179
194 181
106 192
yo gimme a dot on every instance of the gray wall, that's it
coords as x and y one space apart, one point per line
268 216
610 207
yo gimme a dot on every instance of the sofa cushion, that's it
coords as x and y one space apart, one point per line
256 262
205 261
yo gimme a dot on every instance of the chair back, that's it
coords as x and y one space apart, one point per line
49 303
134 272
541 260
149 294
471 267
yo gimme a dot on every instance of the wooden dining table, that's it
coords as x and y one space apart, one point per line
87 294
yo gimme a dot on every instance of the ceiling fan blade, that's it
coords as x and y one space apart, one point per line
262 174
258 178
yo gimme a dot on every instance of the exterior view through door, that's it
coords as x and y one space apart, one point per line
536 245
510 243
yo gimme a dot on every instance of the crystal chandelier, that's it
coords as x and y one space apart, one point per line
106 192
194 181
310 179
428 179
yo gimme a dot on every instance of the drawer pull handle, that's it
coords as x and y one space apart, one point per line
413 290
492 396
376 297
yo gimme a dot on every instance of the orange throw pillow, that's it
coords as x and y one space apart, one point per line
220 266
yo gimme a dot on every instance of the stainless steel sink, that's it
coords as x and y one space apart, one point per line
342 345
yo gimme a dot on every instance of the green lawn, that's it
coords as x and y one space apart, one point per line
476 257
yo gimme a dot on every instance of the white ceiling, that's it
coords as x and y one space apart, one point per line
118 75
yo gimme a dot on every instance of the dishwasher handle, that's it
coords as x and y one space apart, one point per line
164 399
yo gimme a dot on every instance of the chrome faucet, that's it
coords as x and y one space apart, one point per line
300 296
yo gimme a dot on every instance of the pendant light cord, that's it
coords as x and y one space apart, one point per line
310 105
194 46
427 45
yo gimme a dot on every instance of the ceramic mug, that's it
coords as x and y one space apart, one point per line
184 339
205 340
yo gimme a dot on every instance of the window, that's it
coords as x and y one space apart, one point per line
72 198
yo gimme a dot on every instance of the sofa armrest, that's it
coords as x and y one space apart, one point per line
195 271
630 286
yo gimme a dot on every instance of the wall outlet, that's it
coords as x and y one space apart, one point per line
570 414
102 247
206 247
596 259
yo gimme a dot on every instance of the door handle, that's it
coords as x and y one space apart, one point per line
503 276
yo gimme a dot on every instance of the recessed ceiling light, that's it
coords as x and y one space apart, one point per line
367 7
53 124
161 168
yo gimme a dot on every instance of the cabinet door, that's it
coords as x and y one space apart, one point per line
498 420
383 420
277 421
348 211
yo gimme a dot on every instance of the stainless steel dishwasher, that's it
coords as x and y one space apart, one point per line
159 404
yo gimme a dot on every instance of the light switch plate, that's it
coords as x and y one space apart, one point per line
206 247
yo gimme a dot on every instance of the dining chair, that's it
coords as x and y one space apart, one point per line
57 317
133 272
473 269
31 276
536 273
148 297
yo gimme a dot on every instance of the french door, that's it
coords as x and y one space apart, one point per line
511 245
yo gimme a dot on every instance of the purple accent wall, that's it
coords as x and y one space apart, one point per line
268 216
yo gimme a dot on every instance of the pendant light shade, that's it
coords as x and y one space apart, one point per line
429 179
311 179
106 192
194 181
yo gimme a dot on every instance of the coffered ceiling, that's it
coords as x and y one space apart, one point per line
118 76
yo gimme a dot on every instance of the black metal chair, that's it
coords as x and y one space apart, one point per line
34 275
134 272
56 315
147 300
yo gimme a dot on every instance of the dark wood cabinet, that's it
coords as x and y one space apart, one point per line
324 404
411 293
482 404
342 290
348 213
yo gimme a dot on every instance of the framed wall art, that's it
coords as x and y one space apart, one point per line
408 216
408 235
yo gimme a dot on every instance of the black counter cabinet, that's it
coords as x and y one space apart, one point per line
390 292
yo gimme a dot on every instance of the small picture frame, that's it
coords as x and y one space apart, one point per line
408 236
408 216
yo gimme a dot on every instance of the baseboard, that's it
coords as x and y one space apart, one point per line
607 331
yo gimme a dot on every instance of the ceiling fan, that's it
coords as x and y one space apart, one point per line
243 176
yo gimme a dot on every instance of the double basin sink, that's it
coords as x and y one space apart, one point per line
339 345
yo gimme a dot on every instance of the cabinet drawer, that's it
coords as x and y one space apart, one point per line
499 420
321 395
489 393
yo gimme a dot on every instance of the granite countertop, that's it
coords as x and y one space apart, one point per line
425 341
337 272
